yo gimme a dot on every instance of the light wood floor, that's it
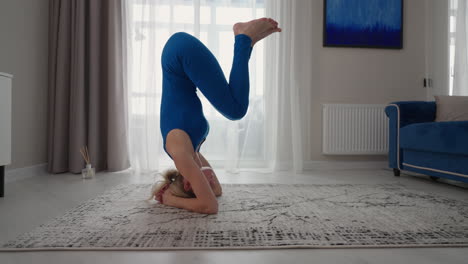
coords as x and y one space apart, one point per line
36 199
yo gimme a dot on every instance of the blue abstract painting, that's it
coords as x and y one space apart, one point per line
363 23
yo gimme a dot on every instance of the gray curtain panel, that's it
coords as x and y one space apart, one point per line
87 93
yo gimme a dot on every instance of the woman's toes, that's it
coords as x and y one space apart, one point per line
267 33
273 22
257 29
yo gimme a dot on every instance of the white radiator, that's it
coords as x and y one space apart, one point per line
354 129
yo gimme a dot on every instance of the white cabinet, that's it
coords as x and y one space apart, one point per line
5 126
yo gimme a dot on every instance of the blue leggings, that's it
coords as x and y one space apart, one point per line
188 64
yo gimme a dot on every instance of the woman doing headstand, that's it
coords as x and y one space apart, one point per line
186 65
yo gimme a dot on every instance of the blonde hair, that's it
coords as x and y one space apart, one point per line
176 181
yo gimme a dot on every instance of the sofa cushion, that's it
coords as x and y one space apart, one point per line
451 108
443 137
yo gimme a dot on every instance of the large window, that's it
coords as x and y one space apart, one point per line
211 22
152 22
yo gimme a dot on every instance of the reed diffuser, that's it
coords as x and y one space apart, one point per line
87 172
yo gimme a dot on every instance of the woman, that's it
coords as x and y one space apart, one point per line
188 64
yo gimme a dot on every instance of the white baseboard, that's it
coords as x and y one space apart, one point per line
318 165
40 169
344 165
26 172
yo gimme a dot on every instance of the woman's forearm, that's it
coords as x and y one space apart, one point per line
216 186
205 201
191 204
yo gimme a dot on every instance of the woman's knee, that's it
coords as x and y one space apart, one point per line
180 37
181 41
237 113
176 45
171 50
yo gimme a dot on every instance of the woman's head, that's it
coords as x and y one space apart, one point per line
176 181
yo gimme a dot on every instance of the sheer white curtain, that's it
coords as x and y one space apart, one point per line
288 83
269 137
149 24
460 75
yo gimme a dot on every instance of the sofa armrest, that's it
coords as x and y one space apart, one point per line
401 114
411 112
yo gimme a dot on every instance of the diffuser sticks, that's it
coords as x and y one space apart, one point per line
84 152
87 172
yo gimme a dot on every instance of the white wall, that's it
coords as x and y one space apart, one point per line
437 35
365 76
23 53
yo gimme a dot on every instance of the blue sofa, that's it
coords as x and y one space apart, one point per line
417 143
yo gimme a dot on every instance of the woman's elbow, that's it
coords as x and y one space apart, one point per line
218 192
209 209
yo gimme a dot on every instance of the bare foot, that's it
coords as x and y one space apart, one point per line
257 29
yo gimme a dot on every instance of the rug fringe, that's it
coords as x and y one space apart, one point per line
227 248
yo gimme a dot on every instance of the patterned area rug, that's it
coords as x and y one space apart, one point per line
258 216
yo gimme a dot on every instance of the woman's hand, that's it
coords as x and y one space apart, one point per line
160 193
167 197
